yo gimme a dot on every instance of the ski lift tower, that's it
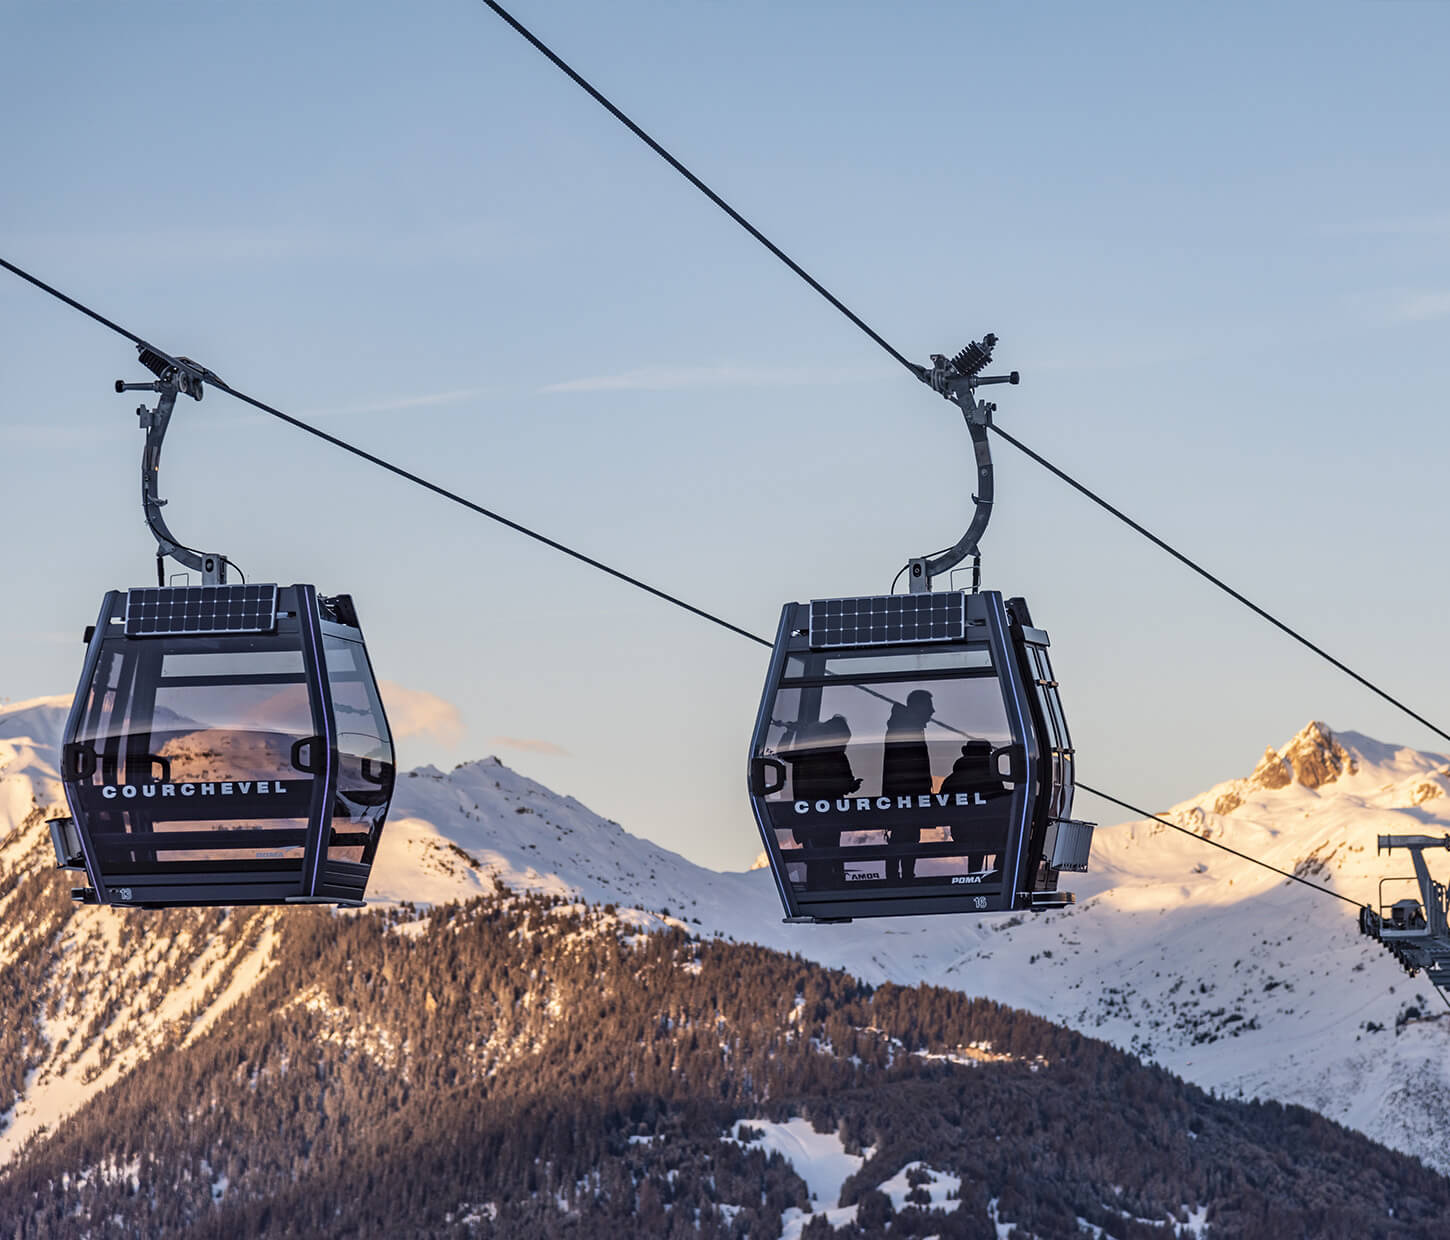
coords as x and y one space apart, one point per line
1416 931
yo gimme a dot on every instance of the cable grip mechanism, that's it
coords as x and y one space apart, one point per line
957 379
174 376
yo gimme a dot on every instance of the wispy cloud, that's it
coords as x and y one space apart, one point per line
415 712
530 745
1420 307
680 378
1389 307
1427 224
398 403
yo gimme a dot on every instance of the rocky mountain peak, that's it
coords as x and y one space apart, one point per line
1312 759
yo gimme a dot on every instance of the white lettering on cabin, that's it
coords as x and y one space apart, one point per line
841 805
261 787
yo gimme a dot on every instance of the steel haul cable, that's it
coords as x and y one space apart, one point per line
382 463
878 339
1203 839
213 381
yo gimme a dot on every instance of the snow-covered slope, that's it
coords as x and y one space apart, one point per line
1223 972
90 993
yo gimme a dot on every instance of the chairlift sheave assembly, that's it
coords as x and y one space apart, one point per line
227 744
911 754
1416 932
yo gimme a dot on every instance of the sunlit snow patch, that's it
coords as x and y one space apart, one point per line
917 1180
821 1160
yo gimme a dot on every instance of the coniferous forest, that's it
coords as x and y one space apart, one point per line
515 1067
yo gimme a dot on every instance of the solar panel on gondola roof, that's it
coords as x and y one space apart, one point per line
156 611
885 619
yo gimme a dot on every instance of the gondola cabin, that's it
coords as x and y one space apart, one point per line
227 745
911 756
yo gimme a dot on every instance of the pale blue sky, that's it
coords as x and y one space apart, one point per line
1215 240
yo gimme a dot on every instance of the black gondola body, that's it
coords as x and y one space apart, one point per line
227 743
911 754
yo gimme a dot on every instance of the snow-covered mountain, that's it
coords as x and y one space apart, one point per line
1224 973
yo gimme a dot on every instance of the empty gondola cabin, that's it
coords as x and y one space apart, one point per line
911 756
227 745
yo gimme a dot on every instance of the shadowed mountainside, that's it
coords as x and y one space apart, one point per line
516 1067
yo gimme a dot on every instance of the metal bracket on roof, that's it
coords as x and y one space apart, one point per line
174 375
957 379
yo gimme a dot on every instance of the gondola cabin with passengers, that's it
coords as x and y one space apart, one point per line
911 753
925 770
227 743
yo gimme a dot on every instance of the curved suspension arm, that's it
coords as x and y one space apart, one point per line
969 543
173 376
957 380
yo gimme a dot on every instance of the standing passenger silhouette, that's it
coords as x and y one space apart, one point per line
906 770
822 769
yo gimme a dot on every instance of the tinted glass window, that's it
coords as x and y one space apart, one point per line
1041 676
365 765
854 721
1056 700
188 746
873 663
892 782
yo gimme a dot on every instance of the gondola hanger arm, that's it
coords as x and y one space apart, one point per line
957 379
174 376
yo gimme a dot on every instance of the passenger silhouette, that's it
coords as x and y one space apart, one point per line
974 773
822 771
906 770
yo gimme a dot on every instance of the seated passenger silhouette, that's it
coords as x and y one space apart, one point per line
821 771
975 773
906 770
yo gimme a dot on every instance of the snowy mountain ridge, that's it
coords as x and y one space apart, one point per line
1219 970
